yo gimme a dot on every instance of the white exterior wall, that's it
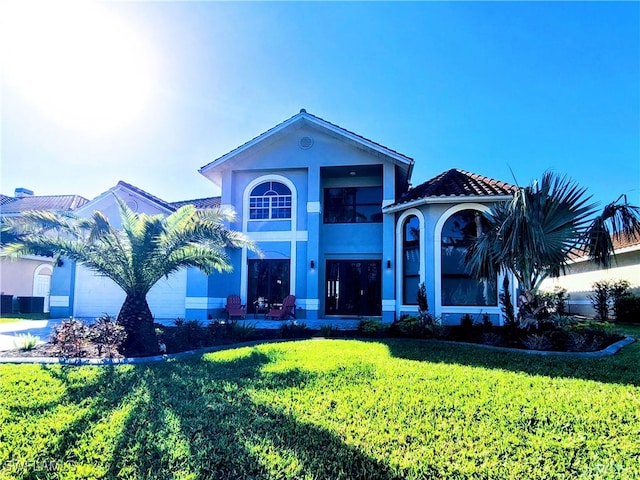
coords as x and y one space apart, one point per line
96 295
581 276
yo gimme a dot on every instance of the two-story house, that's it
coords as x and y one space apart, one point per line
337 224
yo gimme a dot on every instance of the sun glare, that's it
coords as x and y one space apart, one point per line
77 63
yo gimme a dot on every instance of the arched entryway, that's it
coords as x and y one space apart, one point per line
42 284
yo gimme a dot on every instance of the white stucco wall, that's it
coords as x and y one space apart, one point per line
580 277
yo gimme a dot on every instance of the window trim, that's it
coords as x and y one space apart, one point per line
413 212
440 309
270 201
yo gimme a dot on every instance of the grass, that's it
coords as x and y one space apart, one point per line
15 317
327 409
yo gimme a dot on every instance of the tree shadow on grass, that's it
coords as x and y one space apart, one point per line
621 368
197 419
58 425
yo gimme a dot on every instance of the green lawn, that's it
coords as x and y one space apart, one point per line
327 409
14 317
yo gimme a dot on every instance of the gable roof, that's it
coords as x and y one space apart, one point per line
405 163
147 195
169 207
57 203
454 184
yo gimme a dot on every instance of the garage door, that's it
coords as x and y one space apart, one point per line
96 295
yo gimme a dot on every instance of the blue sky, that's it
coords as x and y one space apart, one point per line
492 88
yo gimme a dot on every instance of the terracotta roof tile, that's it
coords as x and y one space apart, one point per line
5 199
624 242
57 203
199 203
457 183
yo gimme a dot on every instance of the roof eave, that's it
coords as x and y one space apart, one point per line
397 207
398 158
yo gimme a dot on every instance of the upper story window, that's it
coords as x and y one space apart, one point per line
270 201
458 287
353 205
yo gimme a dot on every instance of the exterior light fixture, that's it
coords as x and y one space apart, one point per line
312 264
388 264
352 173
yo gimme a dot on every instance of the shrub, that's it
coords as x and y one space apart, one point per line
466 322
408 326
26 341
600 299
607 297
71 338
329 331
537 341
371 327
243 332
107 335
628 309
576 341
294 330
618 290
560 300
187 335
491 338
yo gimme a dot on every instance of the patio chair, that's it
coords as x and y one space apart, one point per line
287 310
235 308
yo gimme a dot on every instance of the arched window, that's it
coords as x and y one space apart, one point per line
269 201
458 287
410 260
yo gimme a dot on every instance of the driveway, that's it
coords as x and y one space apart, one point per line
39 328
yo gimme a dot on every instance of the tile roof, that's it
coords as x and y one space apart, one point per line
5 199
147 195
457 183
199 203
625 242
57 203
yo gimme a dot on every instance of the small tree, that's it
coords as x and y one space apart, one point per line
426 319
618 291
600 299
506 304
146 249
537 233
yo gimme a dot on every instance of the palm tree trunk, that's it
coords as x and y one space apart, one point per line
135 316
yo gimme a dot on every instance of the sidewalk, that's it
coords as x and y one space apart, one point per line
38 328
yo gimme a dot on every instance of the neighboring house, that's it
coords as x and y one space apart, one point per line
79 292
582 273
337 224
30 276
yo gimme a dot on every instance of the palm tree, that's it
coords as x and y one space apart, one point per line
544 226
147 248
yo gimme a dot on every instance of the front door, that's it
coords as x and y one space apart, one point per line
42 288
268 284
353 287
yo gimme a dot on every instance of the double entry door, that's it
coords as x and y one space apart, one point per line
268 283
353 287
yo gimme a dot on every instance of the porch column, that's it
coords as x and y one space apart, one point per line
313 244
388 247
